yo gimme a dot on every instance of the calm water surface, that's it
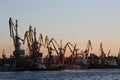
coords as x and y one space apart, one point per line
101 74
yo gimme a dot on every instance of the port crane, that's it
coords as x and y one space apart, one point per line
53 42
33 45
16 39
52 45
102 56
62 51
88 47
73 51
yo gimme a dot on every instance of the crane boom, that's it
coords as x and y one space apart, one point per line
51 41
72 51
26 36
11 28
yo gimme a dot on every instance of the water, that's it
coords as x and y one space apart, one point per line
101 74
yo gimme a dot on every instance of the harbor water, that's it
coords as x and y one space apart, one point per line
92 74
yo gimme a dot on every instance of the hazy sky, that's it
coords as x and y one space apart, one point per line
70 20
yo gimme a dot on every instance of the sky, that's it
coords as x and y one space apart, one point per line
76 21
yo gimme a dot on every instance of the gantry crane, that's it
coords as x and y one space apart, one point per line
16 39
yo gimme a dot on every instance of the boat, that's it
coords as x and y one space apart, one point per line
79 63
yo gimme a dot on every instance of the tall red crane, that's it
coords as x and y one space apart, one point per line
73 51
52 42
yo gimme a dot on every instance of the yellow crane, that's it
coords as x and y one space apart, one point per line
33 45
26 36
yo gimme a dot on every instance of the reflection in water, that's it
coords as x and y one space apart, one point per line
63 75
